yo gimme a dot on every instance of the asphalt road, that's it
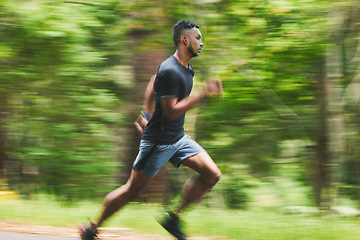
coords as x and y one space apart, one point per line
22 236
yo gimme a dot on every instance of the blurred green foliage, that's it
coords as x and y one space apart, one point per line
60 120
61 90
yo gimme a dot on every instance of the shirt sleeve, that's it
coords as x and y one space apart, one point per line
169 84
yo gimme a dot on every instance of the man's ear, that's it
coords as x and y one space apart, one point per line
184 39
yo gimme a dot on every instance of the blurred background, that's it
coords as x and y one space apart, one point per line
285 133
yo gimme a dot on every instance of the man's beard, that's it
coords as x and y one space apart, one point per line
192 51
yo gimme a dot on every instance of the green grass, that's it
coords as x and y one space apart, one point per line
254 224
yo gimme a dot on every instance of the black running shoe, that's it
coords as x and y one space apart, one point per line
87 233
171 224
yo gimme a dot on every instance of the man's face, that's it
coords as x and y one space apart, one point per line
194 41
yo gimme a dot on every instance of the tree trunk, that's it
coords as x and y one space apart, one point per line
331 144
3 155
350 101
145 64
319 171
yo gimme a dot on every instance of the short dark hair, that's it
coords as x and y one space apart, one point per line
180 27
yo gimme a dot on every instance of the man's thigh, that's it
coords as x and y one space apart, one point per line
202 163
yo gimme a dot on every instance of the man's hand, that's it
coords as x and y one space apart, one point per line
213 87
140 124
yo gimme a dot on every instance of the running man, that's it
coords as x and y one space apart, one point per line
164 140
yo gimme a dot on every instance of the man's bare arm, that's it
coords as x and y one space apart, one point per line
173 109
149 98
148 107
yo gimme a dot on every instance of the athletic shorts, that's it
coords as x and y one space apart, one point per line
152 156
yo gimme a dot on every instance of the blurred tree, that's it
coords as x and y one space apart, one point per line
146 22
3 153
59 121
290 76
348 178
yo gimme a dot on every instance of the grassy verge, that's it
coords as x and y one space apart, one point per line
255 224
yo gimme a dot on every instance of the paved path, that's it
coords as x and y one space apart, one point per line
23 236
11 231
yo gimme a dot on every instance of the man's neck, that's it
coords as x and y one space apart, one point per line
182 58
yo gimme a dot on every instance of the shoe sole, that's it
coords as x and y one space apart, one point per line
167 229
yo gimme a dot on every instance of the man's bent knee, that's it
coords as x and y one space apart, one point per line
214 178
217 177
134 193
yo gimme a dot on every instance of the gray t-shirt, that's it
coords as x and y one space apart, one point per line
172 80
